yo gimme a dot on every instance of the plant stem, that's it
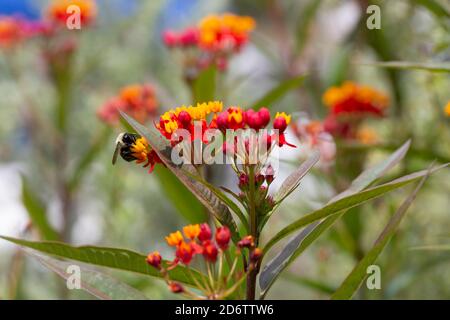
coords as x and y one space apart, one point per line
251 277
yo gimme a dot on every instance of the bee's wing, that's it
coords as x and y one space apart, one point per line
116 152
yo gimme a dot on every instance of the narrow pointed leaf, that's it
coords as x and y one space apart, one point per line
299 243
279 92
348 202
354 280
37 212
100 285
115 258
405 65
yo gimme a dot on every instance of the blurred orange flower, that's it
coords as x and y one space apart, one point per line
447 109
355 99
57 11
139 101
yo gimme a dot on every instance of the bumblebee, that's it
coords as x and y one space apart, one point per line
125 145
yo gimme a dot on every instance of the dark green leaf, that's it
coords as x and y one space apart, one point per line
205 85
180 197
115 258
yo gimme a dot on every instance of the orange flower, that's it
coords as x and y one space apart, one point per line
14 30
226 32
191 231
184 252
174 239
447 109
138 101
57 10
367 136
351 98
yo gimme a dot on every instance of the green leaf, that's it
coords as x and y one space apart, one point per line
354 280
304 22
203 194
205 85
115 258
98 284
299 243
293 180
290 184
37 212
279 92
347 203
180 197
432 67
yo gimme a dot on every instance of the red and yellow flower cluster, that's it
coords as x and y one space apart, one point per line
215 36
349 104
138 101
14 30
199 240
233 118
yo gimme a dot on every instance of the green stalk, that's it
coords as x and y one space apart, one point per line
251 277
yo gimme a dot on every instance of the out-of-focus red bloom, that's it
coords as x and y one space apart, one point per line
354 99
210 251
176 287
223 236
215 38
138 101
205 232
14 30
154 259
57 11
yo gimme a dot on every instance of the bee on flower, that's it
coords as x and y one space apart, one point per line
198 245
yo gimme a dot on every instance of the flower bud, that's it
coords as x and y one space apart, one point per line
264 114
176 287
255 255
184 253
246 242
209 251
280 124
154 259
185 118
243 181
205 232
223 236
170 38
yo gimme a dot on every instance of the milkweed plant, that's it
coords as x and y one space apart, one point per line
232 254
